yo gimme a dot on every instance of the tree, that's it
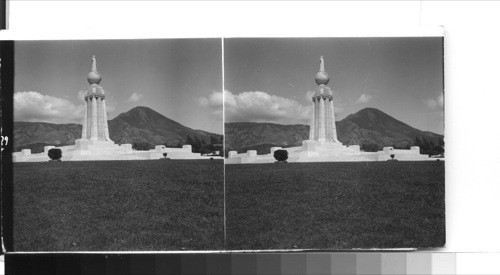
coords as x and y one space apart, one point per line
441 141
213 140
417 142
425 144
281 155
189 140
55 154
141 146
370 147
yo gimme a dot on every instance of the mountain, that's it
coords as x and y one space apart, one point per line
369 126
36 135
372 126
138 125
142 124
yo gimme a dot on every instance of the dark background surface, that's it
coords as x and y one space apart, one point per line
7 88
3 14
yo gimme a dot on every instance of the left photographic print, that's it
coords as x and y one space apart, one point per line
117 145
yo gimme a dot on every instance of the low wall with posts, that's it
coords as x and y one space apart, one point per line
413 154
309 152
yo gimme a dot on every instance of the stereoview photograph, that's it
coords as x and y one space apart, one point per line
116 146
334 143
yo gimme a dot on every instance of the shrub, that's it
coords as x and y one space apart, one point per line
370 147
281 155
142 146
55 154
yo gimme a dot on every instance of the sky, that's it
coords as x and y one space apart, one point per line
174 77
272 79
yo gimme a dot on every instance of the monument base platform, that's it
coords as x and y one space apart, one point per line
87 150
312 151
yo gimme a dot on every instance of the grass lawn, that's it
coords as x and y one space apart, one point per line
335 205
119 205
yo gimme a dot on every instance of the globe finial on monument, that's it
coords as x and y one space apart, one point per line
322 77
94 77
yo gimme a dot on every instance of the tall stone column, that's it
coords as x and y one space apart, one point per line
322 133
89 117
334 126
324 113
105 119
328 123
100 134
95 127
316 120
93 135
84 128
311 129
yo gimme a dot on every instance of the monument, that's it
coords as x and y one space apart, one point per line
323 144
95 143
323 129
95 122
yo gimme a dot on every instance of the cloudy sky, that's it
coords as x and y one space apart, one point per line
175 77
271 80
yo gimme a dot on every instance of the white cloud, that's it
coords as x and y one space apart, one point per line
364 98
262 107
34 106
309 95
214 102
135 97
81 95
434 103
215 99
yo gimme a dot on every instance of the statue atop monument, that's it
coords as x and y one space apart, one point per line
94 77
322 77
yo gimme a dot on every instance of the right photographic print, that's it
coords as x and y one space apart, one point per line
334 143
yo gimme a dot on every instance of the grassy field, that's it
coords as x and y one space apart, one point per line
335 205
118 205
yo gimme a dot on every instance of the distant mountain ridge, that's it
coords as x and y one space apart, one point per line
144 125
368 126
138 125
